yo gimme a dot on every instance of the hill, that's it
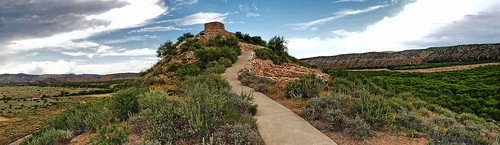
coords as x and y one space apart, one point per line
50 78
460 53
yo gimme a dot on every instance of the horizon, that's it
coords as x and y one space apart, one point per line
121 36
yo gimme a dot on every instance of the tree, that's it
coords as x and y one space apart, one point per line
184 37
168 48
278 45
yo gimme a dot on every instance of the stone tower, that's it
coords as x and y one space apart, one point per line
213 29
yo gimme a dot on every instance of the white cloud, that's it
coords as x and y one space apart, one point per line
110 51
198 18
65 67
156 29
312 25
251 11
341 1
416 22
136 13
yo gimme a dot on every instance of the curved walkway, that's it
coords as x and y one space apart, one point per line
277 124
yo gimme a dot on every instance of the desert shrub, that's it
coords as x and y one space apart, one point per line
411 121
374 109
48 137
253 81
188 70
216 69
191 45
137 123
111 135
218 41
208 55
443 121
214 82
225 62
359 129
337 120
166 49
267 54
307 87
237 134
143 141
125 102
256 40
469 116
317 107
84 117
440 110
456 134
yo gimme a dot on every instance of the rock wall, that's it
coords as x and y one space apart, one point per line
409 57
213 29
280 73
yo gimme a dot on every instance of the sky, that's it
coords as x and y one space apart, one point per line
116 36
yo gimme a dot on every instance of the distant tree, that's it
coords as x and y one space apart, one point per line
168 48
184 37
278 45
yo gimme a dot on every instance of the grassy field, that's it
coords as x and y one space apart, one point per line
474 91
25 92
439 64
26 111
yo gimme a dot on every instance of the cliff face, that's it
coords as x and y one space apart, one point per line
472 52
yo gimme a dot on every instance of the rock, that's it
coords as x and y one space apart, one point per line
473 52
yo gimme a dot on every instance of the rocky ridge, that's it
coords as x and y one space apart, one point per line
473 52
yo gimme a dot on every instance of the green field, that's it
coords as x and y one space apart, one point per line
26 109
474 91
439 64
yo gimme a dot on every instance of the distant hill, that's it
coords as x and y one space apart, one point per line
473 52
48 78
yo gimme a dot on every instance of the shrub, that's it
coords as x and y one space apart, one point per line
112 135
49 136
84 117
278 45
225 62
337 120
166 49
411 121
308 87
359 129
443 121
267 54
374 109
125 102
317 107
188 70
237 134
440 110
253 81
214 82
208 55
217 69
468 116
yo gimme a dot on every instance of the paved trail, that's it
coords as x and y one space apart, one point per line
277 124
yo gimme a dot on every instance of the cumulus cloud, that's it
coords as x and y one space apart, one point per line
156 29
111 17
198 18
65 67
315 23
419 23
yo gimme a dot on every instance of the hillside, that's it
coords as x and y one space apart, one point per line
473 52
49 78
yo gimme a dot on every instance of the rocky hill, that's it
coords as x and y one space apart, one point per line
48 78
473 52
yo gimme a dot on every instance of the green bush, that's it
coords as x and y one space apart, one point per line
337 120
216 69
218 41
374 109
267 54
359 129
253 81
317 107
167 49
411 121
443 121
307 87
191 45
225 62
469 116
112 135
214 82
124 103
49 137
84 117
208 55
188 70
237 134
256 40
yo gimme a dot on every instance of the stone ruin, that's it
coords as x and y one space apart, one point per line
213 29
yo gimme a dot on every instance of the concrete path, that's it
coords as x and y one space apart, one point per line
277 124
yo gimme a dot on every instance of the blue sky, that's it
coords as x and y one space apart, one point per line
112 36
